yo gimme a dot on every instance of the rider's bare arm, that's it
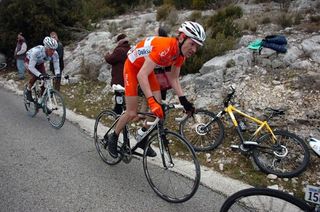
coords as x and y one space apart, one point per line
173 77
143 74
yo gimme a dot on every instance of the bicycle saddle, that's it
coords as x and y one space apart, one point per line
279 111
118 88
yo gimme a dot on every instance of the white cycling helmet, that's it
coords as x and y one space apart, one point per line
50 43
194 31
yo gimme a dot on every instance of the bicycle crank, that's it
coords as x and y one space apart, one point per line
127 154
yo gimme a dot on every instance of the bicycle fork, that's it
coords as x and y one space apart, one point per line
164 149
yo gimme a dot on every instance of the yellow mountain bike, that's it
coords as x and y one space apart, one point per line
277 152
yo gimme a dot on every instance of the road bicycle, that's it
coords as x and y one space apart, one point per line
51 102
277 152
265 199
3 66
174 174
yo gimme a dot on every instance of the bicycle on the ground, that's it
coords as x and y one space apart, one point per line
265 199
3 66
314 144
50 101
174 174
277 152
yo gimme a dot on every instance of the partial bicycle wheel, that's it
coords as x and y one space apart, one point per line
203 130
104 125
175 174
55 109
288 157
31 107
3 66
263 199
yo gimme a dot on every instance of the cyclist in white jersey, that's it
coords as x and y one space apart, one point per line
35 59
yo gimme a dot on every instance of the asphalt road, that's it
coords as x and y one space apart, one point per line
44 169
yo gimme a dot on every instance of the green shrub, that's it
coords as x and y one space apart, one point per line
315 18
266 20
195 16
233 11
163 11
198 4
172 17
297 18
285 20
223 22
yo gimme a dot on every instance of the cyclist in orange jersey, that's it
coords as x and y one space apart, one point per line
139 67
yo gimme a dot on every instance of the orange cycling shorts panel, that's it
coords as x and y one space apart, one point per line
130 73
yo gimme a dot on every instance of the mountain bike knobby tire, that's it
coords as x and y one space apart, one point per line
202 135
266 155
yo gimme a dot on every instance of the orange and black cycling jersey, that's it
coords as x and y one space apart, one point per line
163 51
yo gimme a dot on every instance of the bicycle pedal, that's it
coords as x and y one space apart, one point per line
234 147
250 143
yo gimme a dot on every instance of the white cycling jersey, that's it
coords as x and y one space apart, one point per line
37 55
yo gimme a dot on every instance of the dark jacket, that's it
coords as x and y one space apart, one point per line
117 59
61 61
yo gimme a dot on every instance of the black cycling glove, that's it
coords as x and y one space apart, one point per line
188 106
43 76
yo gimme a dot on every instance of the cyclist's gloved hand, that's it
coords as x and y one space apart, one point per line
155 107
188 106
43 76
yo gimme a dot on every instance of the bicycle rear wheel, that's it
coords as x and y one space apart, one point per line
105 122
288 157
31 107
263 199
202 135
175 174
55 109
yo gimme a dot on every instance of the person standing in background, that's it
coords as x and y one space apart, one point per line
116 59
20 54
57 82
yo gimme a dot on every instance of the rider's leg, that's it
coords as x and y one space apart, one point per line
129 114
142 144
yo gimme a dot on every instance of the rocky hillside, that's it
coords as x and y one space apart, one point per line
269 79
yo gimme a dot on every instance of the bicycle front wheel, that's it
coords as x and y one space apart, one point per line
105 122
287 156
174 174
203 130
31 107
55 109
263 199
